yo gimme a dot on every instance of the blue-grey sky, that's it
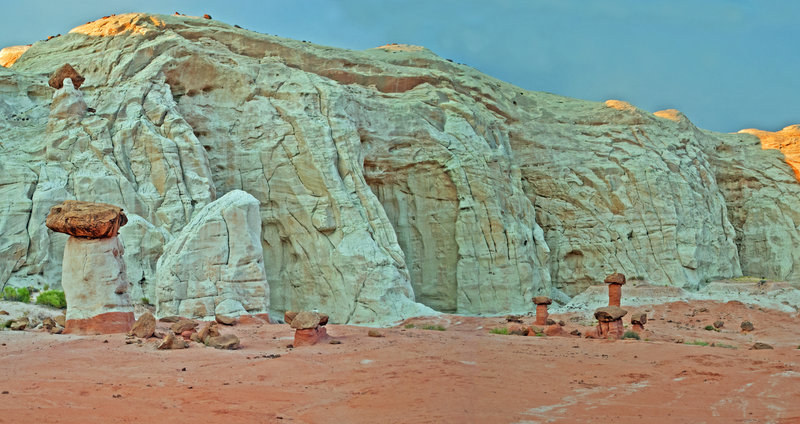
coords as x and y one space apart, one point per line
727 64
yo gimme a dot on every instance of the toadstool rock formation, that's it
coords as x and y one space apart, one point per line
309 327
93 276
638 320
541 303
610 323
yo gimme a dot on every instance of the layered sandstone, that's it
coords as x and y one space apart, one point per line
385 179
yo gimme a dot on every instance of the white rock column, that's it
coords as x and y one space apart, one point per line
96 287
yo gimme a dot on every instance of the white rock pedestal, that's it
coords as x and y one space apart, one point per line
96 287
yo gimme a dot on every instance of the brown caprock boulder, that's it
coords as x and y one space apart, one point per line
67 71
86 219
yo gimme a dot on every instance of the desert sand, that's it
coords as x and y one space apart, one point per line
464 374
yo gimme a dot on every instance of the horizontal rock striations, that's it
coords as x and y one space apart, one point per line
385 179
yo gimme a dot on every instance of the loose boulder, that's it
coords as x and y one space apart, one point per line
145 326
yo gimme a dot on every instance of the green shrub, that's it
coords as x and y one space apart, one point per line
697 343
146 301
21 294
726 346
434 327
54 298
711 328
409 325
499 330
7 324
630 335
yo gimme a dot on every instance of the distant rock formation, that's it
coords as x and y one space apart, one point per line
386 179
9 55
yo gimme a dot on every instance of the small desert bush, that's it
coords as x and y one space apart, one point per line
409 326
697 343
723 345
499 330
630 335
434 327
21 294
711 328
146 301
54 298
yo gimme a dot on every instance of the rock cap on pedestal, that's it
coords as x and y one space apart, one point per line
609 313
615 278
639 318
86 219
66 71
306 320
542 300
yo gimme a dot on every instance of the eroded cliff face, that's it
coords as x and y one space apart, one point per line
386 179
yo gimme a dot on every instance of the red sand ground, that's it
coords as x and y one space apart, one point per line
461 375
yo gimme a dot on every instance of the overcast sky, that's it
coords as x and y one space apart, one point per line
727 64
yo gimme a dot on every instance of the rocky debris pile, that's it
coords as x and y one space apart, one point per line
747 326
181 331
309 327
93 275
610 323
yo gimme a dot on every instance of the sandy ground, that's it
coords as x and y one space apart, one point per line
464 374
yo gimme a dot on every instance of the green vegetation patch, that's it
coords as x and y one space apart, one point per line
54 298
697 343
21 294
434 327
409 326
630 335
499 330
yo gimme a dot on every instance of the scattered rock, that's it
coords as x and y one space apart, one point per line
335 342
534 330
173 342
719 324
61 320
184 325
550 321
50 325
3 313
170 318
86 219
208 330
145 326
747 326
207 16
761 346
374 333
518 330
19 324
227 341
66 71
639 318
542 300
575 333
225 320
553 330
514 318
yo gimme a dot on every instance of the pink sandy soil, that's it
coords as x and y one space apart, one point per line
412 375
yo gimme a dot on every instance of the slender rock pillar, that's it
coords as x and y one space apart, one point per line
541 309
615 282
